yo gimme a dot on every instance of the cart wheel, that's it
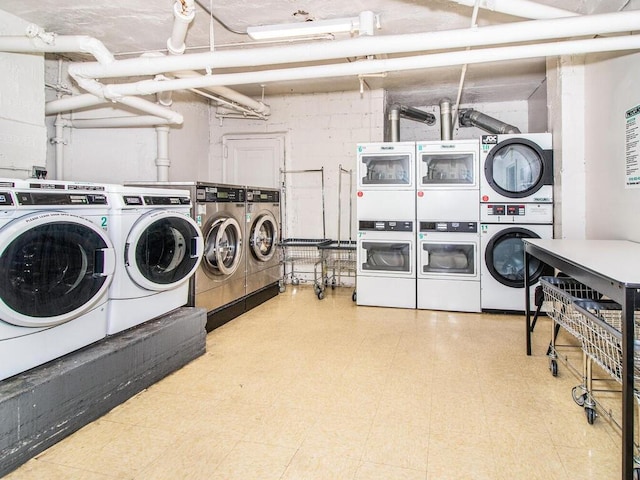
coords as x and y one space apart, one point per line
283 288
591 415
577 396
333 285
353 296
636 474
295 281
553 366
320 295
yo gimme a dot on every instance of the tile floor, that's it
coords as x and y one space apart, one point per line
303 389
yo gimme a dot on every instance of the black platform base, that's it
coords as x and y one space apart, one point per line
42 406
219 317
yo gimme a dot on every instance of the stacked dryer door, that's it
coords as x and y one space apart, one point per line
448 239
57 263
386 214
516 194
263 220
159 248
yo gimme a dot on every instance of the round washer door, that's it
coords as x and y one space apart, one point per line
264 237
516 168
504 257
56 267
223 246
163 250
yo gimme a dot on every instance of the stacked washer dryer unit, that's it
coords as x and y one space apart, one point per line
219 211
264 270
57 263
159 248
386 213
448 239
516 195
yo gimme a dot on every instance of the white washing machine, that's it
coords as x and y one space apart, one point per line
386 263
386 181
448 271
502 263
447 183
159 248
263 233
517 168
57 263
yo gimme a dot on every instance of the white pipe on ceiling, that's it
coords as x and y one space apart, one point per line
75 102
183 13
162 161
117 122
527 31
369 67
520 8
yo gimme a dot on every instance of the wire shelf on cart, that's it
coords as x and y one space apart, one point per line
302 251
602 335
338 260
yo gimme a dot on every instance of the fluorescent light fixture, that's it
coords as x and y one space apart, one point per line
312 28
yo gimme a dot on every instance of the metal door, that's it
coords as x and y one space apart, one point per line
56 267
223 246
163 250
263 238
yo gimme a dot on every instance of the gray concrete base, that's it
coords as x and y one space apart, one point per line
42 406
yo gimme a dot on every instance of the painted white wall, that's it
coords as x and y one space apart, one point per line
514 113
565 96
321 131
23 134
611 88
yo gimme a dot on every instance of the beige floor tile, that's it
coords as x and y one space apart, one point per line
254 461
373 471
36 469
338 436
307 465
305 389
398 444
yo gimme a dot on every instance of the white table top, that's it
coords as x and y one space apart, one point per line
617 260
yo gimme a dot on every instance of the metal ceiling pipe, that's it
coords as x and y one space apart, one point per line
446 120
527 31
520 8
472 118
417 115
394 121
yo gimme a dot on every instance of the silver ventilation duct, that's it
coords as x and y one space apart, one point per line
472 118
446 120
401 111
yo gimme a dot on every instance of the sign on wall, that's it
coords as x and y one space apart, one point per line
632 148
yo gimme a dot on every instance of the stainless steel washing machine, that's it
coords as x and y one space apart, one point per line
263 232
219 210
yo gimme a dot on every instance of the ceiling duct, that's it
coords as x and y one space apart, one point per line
472 118
446 120
401 111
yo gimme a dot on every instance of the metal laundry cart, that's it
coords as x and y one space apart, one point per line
297 252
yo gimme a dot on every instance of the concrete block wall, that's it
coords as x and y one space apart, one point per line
23 136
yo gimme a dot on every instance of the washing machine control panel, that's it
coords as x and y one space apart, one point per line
55 198
386 225
461 227
263 196
220 194
506 209
5 198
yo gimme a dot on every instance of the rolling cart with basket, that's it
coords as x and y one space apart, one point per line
338 261
302 251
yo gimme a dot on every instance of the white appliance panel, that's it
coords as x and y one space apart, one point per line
445 205
523 213
386 205
449 295
386 292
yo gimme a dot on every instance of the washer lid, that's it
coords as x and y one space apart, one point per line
56 267
163 249
517 167
264 237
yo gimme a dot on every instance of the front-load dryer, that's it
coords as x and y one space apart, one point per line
57 263
263 220
159 247
502 271
516 168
